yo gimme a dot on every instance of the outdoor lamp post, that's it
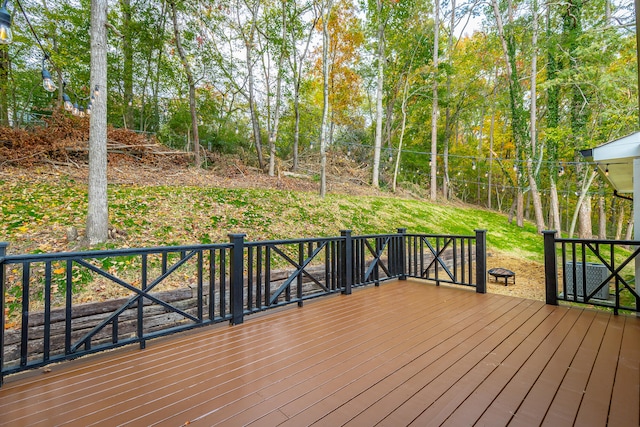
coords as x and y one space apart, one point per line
6 36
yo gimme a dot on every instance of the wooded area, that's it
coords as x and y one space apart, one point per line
511 89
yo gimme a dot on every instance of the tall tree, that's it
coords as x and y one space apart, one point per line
434 104
380 58
297 59
98 209
249 37
127 64
193 109
326 14
532 149
273 135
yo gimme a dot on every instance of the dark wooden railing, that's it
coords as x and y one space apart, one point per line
153 292
594 272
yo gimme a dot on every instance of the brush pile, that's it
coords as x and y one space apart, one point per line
64 140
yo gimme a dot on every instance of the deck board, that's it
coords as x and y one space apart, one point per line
405 352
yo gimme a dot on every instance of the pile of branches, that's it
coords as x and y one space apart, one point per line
64 140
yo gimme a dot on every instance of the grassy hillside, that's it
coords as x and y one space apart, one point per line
36 214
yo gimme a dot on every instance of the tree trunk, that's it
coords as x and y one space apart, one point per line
273 137
585 229
5 66
555 208
192 87
434 105
98 208
535 197
405 96
127 66
296 66
620 222
491 134
629 233
249 41
520 208
602 217
325 100
380 84
586 183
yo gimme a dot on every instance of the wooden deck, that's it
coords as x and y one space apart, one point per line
405 353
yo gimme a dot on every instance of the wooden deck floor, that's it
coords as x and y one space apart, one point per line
406 353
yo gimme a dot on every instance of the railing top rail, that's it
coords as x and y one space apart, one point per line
448 236
293 241
599 241
105 253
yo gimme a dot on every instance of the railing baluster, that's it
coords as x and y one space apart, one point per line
200 287
299 278
267 277
143 287
68 297
250 279
223 284
47 311
212 284
259 278
3 252
24 336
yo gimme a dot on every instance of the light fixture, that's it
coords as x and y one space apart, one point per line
473 165
561 171
47 81
6 35
606 171
81 111
96 91
75 111
67 102
88 110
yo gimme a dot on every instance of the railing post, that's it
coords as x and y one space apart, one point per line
3 253
481 261
401 254
347 261
236 299
550 267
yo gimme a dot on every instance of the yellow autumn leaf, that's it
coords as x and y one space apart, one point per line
59 270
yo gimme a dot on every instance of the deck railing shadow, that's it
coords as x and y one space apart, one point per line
151 292
591 271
